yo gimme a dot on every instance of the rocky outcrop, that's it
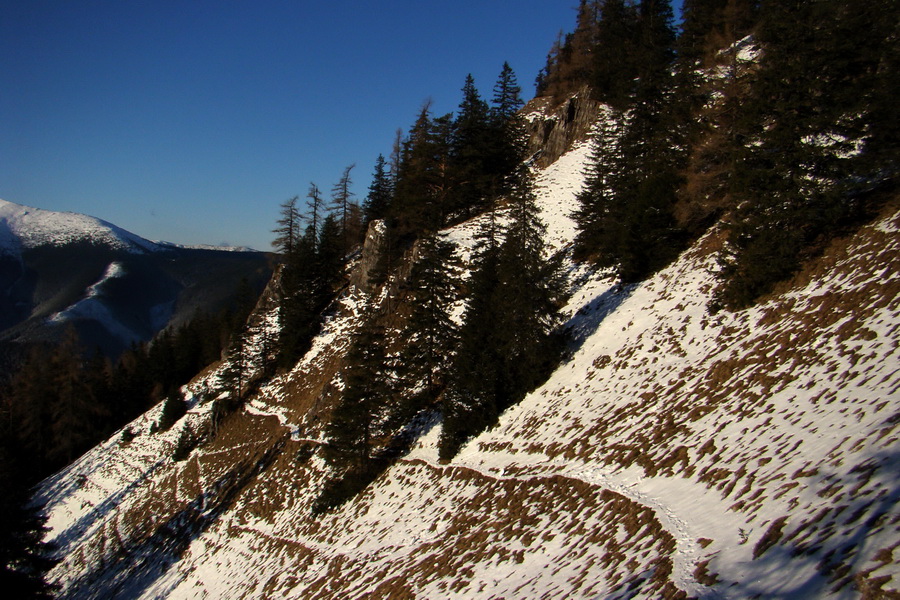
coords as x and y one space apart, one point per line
372 249
553 128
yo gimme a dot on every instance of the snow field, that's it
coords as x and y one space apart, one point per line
720 455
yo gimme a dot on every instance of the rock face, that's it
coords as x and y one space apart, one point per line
373 247
552 130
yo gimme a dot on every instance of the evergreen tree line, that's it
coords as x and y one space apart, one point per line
315 246
448 168
789 149
58 403
507 343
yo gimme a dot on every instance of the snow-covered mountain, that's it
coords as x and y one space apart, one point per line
23 227
113 286
671 454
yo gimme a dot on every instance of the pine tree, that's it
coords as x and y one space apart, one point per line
330 254
614 57
342 206
174 407
805 166
288 229
316 207
378 201
507 139
237 366
531 294
626 215
351 432
422 177
507 340
469 405
507 99
469 150
430 335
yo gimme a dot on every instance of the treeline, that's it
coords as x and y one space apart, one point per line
508 340
61 401
450 167
315 245
788 148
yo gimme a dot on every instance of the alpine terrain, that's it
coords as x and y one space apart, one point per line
637 338
115 288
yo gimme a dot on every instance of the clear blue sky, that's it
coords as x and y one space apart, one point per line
191 121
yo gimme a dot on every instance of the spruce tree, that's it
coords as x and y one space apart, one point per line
351 432
626 214
288 229
174 407
469 405
811 131
430 334
614 57
422 177
378 200
507 140
531 293
469 151
507 99
345 210
507 341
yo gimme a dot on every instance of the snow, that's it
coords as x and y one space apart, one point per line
668 440
23 227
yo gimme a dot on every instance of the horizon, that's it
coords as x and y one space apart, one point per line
193 123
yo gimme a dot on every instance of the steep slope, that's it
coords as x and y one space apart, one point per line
113 286
672 454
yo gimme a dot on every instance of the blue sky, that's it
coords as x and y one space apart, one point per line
191 121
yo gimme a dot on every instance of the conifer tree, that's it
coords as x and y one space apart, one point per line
238 365
288 229
531 294
469 151
174 407
316 207
300 299
614 58
507 99
345 210
430 335
422 178
810 131
626 215
507 342
469 404
507 140
351 432
378 200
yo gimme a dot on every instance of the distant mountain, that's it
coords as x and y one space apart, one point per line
59 269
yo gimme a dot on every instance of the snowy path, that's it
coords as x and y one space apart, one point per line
687 549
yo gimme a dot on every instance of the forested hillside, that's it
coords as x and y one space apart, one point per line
636 338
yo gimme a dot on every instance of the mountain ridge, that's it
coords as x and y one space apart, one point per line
115 287
672 453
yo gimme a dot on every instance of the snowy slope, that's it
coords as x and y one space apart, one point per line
114 287
673 453
26 227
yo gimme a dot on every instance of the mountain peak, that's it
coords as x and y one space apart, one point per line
28 227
